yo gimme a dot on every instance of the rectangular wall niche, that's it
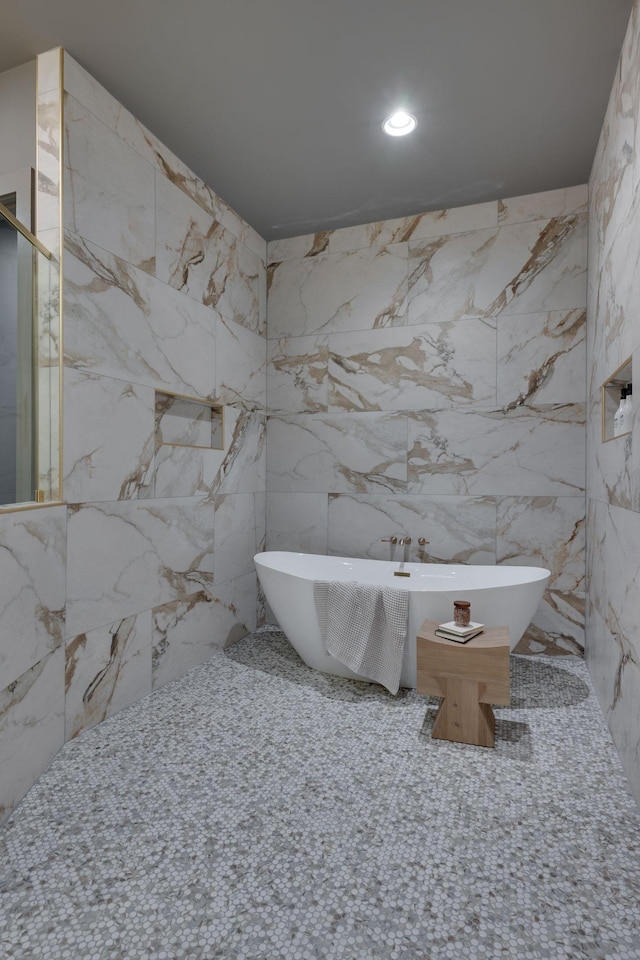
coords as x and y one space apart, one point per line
611 398
186 422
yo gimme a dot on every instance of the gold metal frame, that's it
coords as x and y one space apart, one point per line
26 233
612 382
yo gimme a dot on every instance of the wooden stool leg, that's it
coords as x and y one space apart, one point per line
462 717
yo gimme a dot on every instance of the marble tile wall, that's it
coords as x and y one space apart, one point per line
427 376
613 467
149 566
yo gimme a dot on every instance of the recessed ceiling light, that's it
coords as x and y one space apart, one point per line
399 124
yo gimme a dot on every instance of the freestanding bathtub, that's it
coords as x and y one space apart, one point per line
499 596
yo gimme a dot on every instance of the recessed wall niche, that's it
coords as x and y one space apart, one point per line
186 422
611 390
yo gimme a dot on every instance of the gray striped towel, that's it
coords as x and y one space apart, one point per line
364 627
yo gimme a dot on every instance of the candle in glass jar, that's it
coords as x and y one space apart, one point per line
461 613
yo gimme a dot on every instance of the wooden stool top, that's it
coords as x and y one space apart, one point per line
483 659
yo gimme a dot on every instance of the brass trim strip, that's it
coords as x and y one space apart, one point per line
19 507
61 134
26 233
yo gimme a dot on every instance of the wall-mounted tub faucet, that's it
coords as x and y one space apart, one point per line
404 541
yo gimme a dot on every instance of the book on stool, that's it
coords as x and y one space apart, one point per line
451 631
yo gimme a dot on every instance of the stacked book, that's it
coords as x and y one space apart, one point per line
451 631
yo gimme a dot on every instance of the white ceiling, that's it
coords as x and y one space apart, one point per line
277 104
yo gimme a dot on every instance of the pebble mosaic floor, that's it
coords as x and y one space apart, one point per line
256 809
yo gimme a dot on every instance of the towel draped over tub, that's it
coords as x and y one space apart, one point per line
364 627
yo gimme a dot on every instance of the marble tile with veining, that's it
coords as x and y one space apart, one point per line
332 293
108 438
106 670
611 464
339 453
238 468
241 375
458 529
493 452
133 555
236 606
296 248
121 323
430 366
32 588
84 88
544 206
31 726
435 223
613 649
201 258
297 374
520 268
183 636
297 521
109 189
48 146
238 535
541 358
549 532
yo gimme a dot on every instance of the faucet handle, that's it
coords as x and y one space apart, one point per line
389 540
422 541
405 541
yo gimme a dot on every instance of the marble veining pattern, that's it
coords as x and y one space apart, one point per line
130 556
33 548
613 467
122 323
498 452
105 670
519 268
327 823
331 293
109 189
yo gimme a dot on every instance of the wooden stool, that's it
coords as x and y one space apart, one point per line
469 676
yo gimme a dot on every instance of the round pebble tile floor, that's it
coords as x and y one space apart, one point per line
256 809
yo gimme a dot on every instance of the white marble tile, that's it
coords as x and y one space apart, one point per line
430 366
49 136
297 521
241 374
297 374
340 453
201 258
613 644
108 438
32 588
48 70
436 223
520 268
106 670
133 555
121 323
244 467
544 206
331 293
235 609
236 537
549 532
109 189
84 88
459 529
238 468
184 635
31 727
491 452
541 358
295 248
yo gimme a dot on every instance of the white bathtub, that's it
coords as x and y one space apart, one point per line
499 596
